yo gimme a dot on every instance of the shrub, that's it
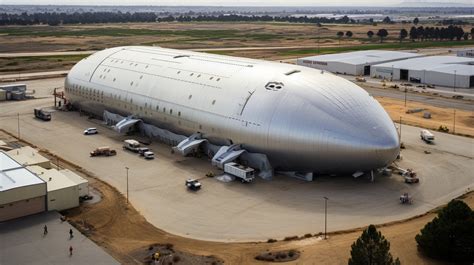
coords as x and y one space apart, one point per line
271 240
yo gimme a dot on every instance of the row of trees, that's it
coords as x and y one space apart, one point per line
419 33
435 33
119 17
449 237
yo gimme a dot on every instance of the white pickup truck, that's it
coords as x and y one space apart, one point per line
427 136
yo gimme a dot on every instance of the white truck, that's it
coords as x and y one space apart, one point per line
426 136
132 145
246 174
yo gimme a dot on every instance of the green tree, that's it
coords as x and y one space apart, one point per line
382 33
403 34
370 34
371 248
416 21
349 34
450 236
340 34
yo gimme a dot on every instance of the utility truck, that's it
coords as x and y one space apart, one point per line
246 174
132 145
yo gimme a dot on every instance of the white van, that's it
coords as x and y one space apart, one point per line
90 131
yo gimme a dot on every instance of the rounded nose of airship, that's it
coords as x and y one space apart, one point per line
335 126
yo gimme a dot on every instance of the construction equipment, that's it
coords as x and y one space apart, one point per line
406 199
410 176
193 184
103 151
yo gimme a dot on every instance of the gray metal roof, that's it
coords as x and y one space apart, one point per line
441 64
13 175
363 57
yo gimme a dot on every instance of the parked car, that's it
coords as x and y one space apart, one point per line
142 150
89 131
415 79
149 155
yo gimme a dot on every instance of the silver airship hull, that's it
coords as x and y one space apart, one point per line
303 119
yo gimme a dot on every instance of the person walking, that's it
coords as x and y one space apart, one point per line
70 250
45 230
70 233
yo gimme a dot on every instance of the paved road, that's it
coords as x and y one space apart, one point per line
263 209
30 76
22 242
427 99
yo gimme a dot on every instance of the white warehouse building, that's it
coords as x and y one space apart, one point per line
354 63
450 71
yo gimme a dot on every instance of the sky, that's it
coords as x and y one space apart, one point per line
225 2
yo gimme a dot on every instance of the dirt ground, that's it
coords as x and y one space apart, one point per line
126 235
464 123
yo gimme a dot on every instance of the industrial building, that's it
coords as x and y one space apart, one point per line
28 156
21 192
465 53
450 71
354 63
63 193
29 185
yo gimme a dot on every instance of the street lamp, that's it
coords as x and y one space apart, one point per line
325 216
406 90
18 123
454 85
126 168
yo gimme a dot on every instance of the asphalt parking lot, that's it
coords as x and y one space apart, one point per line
260 210
23 242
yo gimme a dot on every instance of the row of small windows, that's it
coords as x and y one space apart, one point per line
94 94
116 61
199 75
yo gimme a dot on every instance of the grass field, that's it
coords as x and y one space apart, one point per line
193 35
38 63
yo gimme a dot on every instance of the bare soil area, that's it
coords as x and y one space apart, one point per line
464 123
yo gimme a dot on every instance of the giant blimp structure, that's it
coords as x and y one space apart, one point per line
300 119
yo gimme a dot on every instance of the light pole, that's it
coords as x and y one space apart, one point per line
18 118
454 122
325 216
406 96
400 135
126 168
454 85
